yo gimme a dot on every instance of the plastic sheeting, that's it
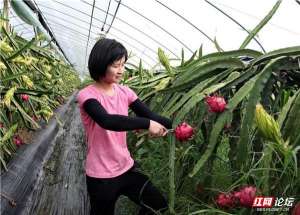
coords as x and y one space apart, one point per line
47 176
143 26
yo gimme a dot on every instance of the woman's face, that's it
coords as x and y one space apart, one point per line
114 72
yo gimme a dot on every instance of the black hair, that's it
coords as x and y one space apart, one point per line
103 54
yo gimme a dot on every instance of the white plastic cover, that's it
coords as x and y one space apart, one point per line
144 25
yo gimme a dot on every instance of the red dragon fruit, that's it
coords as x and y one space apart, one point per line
246 196
217 104
226 200
25 97
296 209
183 132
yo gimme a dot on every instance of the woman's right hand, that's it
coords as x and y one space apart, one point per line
156 129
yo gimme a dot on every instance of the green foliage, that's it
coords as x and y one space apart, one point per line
38 72
292 126
226 151
270 78
260 25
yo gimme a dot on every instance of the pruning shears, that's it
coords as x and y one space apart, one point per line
170 130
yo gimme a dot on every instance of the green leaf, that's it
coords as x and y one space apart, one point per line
260 25
140 71
204 71
218 127
182 56
290 51
3 162
221 121
198 88
154 79
194 66
17 53
231 54
218 47
291 127
200 52
286 108
28 16
11 131
173 101
241 94
11 77
196 98
7 65
189 60
244 143
24 114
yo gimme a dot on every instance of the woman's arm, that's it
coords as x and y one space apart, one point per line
113 122
141 110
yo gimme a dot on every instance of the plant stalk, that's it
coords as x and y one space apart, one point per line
172 142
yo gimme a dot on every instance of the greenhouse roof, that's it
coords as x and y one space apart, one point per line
143 26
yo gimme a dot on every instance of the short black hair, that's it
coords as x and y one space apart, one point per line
103 54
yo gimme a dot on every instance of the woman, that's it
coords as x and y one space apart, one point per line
110 170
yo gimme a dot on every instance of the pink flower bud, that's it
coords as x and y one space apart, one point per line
217 104
183 132
246 196
25 97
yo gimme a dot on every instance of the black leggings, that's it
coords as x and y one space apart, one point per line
134 184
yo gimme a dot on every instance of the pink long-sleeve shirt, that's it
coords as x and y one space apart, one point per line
107 152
